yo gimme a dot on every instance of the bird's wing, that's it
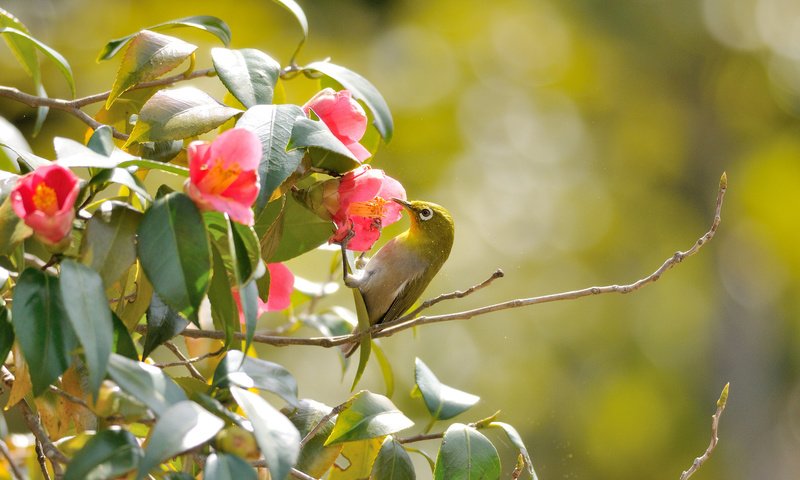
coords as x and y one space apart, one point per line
411 291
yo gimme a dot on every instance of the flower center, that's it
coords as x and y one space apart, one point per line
45 200
219 177
374 208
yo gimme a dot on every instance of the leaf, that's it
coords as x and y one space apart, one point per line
61 62
365 343
276 436
153 165
177 114
221 466
315 458
249 74
10 134
121 176
224 312
86 306
12 229
6 334
298 13
443 402
163 324
362 90
213 25
42 328
386 368
178 269
325 150
301 232
269 226
24 51
109 241
367 415
273 125
183 426
360 457
516 439
108 454
123 343
148 56
466 454
258 373
74 154
392 462
145 382
102 141
22 381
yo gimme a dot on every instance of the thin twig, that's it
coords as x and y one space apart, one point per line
15 471
699 461
302 476
70 397
177 351
452 295
196 359
404 323
324 420
42 460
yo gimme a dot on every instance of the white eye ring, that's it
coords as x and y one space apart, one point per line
425 214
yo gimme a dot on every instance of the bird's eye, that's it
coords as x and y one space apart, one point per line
425 214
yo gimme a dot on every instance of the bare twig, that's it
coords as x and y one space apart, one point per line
15 471
408 321
699 461
73 107
334 411
42 460
196 359
70 397
452 295
302 476
185 361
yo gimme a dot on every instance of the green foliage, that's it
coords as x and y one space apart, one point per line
107 454
466 454
443 402
367 415
249 74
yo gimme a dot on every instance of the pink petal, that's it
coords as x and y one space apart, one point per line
198 153
358 150
244 189
281 285
237 146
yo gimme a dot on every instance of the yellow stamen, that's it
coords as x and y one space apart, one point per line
371 209
45 199
219 177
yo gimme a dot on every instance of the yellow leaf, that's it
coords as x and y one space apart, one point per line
360 455
22 383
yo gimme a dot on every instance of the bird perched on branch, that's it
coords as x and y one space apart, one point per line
395 277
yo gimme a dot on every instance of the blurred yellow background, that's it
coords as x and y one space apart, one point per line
576 143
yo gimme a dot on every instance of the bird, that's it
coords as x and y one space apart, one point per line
397 275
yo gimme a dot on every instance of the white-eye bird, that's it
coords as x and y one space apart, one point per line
395 277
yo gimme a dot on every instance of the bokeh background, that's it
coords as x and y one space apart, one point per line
576 143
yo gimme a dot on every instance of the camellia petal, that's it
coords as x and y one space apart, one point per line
45 200
223 174
343 116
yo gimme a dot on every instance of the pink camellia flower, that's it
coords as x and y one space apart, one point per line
223 174
45 200
364 203
281 285
343 116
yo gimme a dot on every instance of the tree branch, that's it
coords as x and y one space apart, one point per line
699 461
184 361
409 321
16 473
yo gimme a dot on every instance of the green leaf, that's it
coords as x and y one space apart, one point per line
221 466
212 25
224 312
315 458
269 227
392 462
24 51
121 176
42 328
183 426
298 13
123 343
276 436
74 154
31 161
301 232
365 343
10 134
466 454
12 229
174 252
179 113
249 74
85 302
163 323
516 440
145 382
248 372
362 90
153 165
386 367
443 402
6 334
102 141
367 415
109 241
61 62
108 454
273 125
148 56
327 152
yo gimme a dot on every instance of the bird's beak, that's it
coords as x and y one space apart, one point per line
402 202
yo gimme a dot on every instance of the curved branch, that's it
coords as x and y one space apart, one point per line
699 461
